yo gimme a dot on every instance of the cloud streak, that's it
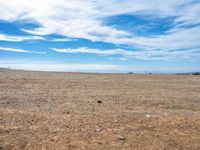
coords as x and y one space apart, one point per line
19 50
144 55
12 38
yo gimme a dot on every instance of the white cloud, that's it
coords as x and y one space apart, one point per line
145 55
19 50
174 40
61 40
85 19
82 19
94 51
12 38
189 15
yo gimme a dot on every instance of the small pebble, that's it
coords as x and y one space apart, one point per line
98 130
120 137
148 116
99 102
151 126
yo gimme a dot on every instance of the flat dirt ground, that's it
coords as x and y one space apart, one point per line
76 111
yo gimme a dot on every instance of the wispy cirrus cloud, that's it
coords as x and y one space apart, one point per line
21 38
19 50
93 51
61 40
13 38
87 20
145 55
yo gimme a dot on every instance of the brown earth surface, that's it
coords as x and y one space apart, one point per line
76 111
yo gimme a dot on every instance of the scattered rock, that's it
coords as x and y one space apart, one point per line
67 112
148 116
100 143
99 102
120 137
98 129
157 135
78 130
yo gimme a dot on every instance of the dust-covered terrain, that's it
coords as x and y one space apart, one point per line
76 111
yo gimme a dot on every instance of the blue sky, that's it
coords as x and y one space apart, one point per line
100 36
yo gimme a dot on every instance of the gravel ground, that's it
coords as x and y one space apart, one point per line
43 110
